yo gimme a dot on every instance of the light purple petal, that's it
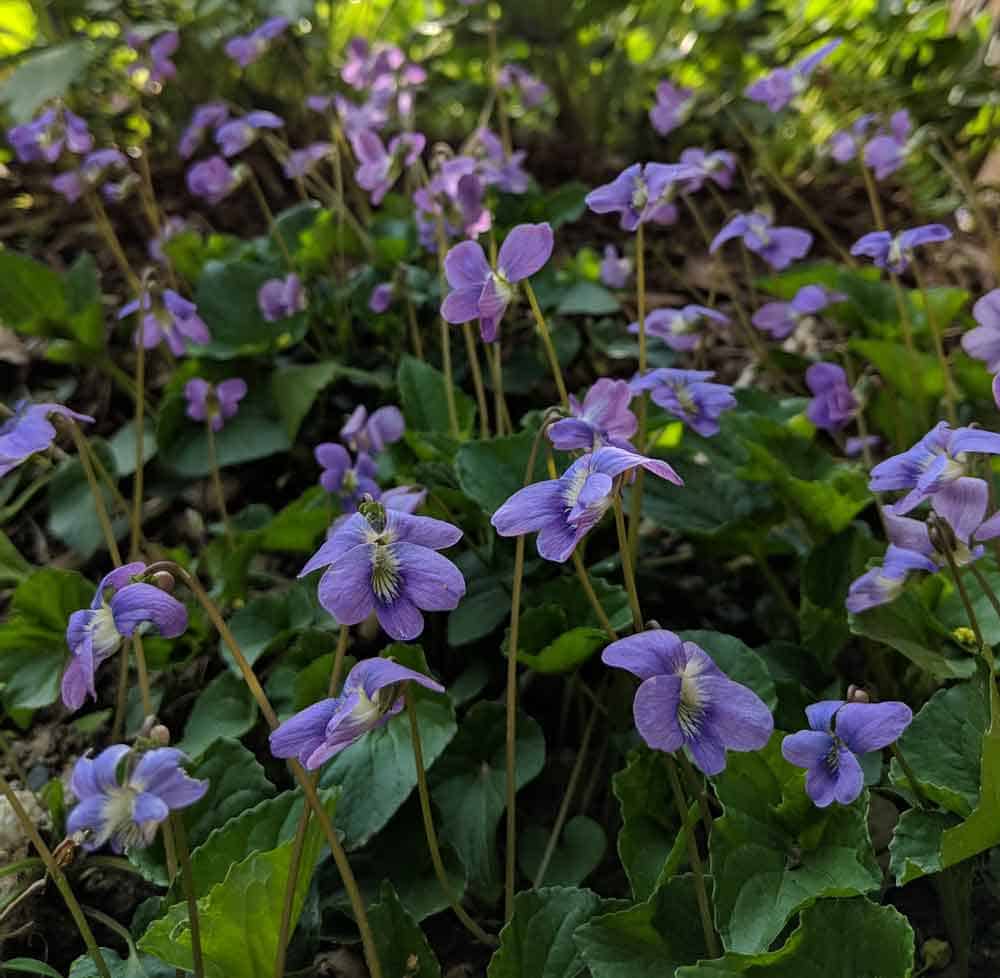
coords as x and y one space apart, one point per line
147 807
431 581
866 727
139 603
526 249
345 590
529 509
401 619
654 653
465 266
655 710
351 533
374 674
423 530
807 748
302 734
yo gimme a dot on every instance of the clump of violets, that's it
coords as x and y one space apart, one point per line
719 166
672 108
680 329
480 291
777 88
373 694
833 402
688 395
209 115
531 90
604 418
453 201
122 797
615 269
781 319
641 193
123 605
44 138
886 147
778 246
380 167
563 511
167 317
497 168
280 298
386 561
95 169
686 700
983 342
245 49
29 430
349 481
839 734
381 298
894 252
371 433
213 179
237 135
214 403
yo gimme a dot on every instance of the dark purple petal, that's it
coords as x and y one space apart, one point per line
807 748
345 590
401 619
962 503
137 604
159 772
736 227
927 234
301 735
653 653
821 714
96 776
568 434
147 807
423 530
865 727
655 710
873 245
371 675
840 779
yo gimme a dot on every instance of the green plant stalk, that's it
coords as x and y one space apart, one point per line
107 231
628 571
14 507
449 382
494 355
121 701
187 880
595 602
268 214
635 502
472 355
918 792
58 877
415 338
936 333
494 64
698 789
95 491
429 831
220 495
550 350
137 487
701 893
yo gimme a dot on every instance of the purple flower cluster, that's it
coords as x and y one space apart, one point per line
833 403
778 246
94 170
47 135
615 269
245 49
672 108
883 147
167 317
153 66
604 418
894 252
214 403
781 319
688 395
380 167
641 193
779 87
531 90
280 298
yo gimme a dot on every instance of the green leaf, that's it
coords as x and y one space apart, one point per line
568 651
649 940
587 299
835 939
577 854
469 782
296 528
952 613
225 708
915 377
915 849
738 661
268 622
29 966
134 966
402 947
14 569
422 395
31 294
122 446
773 852
45 75
565 592
537 941
490 472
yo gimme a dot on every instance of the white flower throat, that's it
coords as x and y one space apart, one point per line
386 579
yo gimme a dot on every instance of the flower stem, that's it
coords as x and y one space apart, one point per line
628 571
187 880
449 384
272 224
111 239
698 790
432 841
415 338
635 502
135 541
550 350
701 893
58 877
121 701
220 495
911 778
595 602
495 358
472 355
949 380
83 454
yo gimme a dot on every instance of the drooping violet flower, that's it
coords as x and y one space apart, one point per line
236 135
381 297
615 269
882 585
209 115
121 607
212 179
839 734
245 49
47 135
680 329
372 695
29 431
215 403
379 167
688 395
484 292
983 342
686 700
719 166
386 561
496 167
604 418
340 477
533 91
833 403
96 166
127 809
300 162
779 87
895 252
844 143
564 510
153 67
778 246
933 465
279 298
168 317
672 108
362 433
641 194
886 152
781 319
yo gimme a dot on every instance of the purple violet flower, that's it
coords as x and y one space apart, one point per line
779 87
781 319
833 403
379 167
128 814
341 478
216 403
895 252
615 269
688 395
47 135
882 585
245 49
686 700
210 115
845 142
680 329
672 108
372 695
386 561
381 297
886 152
150 73
454 196
604 418
168 317
121 607
300 162
73 184
362 433
533 91
236 135
564 510
212 179
778 246
983 342
839 734
641 194
719 166
481 291
279 298
29 431
496 168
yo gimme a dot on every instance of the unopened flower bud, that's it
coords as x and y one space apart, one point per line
857 694
160 735
936 954
164 580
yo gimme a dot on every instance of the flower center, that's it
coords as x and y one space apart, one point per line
104 631
690 710
895 256
685 399
385 574
640 194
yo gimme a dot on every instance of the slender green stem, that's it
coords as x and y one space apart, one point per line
911 778
776 584
187 880
595 602
936 334
121 701
415 338
498 95
628 571
697 786
701 893
272 224
111 239
984 649
495 358
95 490
449 383
58 877
635 502
550 350
140 414
472 355
220 494
432 840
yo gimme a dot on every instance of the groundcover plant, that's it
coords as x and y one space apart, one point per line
499 489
